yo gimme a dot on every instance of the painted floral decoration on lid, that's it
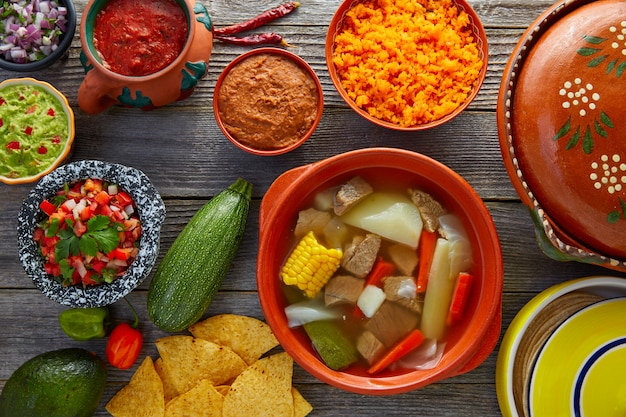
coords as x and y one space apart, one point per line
561 129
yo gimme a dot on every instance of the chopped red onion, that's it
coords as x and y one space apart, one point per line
30 30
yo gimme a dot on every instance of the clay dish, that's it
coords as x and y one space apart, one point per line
560 123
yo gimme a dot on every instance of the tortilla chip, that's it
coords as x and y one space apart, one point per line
249 337
189 360
301 407
169 389
263 389
142 396
223 389
200 401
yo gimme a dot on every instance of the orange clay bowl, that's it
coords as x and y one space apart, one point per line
474 28
561 122
467 344
274 103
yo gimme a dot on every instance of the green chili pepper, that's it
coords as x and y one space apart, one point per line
85 323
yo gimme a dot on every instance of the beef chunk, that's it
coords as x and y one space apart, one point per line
343 289
429 208
311 219
392 322
402 290
370 347
404 257
360 255
351 193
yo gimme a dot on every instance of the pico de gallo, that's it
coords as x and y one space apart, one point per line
90 234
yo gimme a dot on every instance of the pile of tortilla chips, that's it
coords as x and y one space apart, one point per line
218 371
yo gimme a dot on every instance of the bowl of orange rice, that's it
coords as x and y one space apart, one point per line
407 64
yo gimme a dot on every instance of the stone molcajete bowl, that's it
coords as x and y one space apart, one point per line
150 208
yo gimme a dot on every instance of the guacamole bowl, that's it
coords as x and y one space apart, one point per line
74 282
463 346
36 130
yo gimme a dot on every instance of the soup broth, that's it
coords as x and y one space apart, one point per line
374 267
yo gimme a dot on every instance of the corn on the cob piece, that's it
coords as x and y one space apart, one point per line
311 265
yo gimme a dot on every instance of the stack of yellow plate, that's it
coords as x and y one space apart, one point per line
564 354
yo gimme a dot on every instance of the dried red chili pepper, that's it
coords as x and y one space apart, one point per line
269 38
124 343
259 20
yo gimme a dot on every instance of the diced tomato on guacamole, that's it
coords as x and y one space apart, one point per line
90 233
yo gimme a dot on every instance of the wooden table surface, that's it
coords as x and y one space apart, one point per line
188 159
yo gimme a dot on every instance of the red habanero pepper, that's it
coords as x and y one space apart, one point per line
270 38
124 343
259 20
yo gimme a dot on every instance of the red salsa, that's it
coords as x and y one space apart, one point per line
140 38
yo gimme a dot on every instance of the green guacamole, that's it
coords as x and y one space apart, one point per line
33 130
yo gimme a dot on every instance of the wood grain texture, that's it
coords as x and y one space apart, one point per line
188 159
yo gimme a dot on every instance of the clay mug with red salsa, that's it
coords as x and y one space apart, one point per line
142 54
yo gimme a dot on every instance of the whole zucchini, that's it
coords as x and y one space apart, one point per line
194 267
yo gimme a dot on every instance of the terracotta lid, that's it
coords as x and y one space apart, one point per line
561 125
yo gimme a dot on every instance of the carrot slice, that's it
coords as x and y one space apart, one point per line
380 270
426 249
410 342
459 297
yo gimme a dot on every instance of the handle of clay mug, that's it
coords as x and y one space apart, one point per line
92 93
277 192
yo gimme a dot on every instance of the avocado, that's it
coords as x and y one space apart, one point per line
61 383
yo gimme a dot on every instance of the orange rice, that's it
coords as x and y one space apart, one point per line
407 62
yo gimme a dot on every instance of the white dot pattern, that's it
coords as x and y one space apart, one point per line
620 37
576 95
609 173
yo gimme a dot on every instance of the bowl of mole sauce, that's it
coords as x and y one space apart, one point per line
268 101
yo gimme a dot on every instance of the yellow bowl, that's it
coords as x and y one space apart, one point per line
526 357
19 147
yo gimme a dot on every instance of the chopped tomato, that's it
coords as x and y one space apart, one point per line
28 130
14 145
123 254
102 197
123 199
42 150
51 112
47 207
85 214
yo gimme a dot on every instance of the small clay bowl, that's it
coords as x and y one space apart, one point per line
560 121
467 345
35 120
65 41
366 104
274 112
538 329
150 208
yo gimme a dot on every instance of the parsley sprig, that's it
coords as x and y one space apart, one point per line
101 235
